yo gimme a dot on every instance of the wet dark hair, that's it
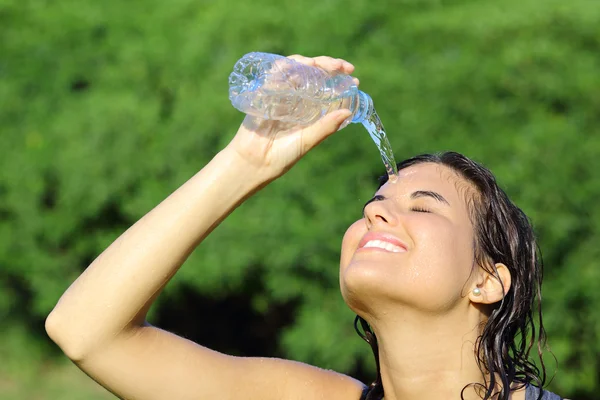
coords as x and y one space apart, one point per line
503 234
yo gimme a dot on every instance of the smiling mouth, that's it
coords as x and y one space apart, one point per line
382 245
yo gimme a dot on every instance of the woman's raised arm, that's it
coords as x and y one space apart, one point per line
114 293
99 322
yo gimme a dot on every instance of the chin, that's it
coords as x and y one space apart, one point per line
375 290
366 287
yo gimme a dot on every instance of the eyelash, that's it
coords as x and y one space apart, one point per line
419 209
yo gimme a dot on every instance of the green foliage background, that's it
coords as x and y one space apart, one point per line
107 107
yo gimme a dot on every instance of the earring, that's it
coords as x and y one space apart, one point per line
477 292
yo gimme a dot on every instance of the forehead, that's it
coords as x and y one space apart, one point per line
430 177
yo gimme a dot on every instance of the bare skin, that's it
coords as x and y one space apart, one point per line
425 335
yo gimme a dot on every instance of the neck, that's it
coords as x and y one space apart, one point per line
429 357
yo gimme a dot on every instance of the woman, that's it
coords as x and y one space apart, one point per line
442 271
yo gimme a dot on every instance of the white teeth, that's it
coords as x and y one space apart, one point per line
384 245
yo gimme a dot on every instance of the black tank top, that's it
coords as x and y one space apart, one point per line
532 393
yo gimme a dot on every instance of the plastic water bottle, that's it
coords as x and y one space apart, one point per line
274 87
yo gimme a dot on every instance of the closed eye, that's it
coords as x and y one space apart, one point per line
420 209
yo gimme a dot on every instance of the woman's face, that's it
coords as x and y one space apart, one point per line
414 246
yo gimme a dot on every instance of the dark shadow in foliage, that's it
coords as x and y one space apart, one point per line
20 312
227 323
79 84
50 193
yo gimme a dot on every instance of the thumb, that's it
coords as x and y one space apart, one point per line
326 126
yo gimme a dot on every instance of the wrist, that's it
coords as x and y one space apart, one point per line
258 175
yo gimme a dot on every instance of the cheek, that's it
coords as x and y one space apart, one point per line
444 254
350 241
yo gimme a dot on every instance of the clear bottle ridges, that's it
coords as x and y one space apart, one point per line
274 87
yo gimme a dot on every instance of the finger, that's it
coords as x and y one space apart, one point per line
329 63
348 67
325 127
304 60
334 64
326 63
356 81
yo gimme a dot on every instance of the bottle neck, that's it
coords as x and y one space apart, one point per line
363 107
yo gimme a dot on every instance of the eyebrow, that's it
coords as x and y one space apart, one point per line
414 195
428 193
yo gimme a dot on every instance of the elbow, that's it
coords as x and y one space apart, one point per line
58 331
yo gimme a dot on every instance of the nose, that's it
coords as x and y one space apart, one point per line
377 213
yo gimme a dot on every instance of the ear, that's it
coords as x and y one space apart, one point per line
492 288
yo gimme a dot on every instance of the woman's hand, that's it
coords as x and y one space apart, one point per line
274 146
